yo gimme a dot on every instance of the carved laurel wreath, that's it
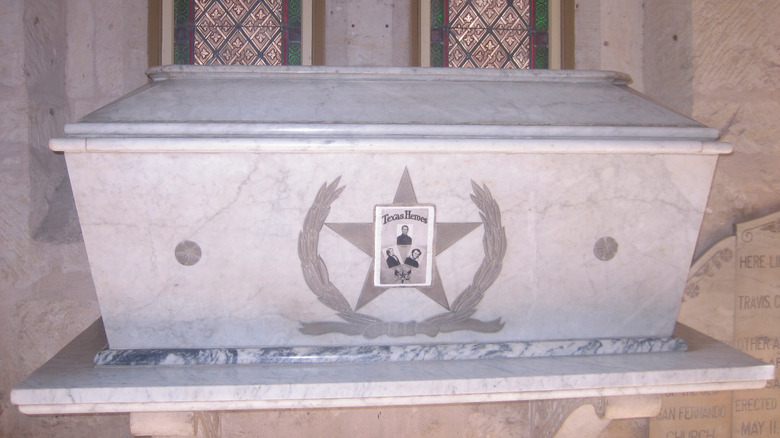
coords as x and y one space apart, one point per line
458 318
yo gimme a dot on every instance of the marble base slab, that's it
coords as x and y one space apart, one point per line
379 353
70 383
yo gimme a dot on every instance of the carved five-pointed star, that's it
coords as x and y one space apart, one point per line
362 236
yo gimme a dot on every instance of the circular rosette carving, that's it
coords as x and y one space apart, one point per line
187 253
605 248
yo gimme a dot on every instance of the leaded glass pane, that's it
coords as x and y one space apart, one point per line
237 32
489 33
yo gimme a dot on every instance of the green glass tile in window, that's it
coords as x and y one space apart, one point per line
293 13
437 55
182 30
541 18
437 13
294 53
541 55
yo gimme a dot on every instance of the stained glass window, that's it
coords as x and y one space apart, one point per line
489 33
237 32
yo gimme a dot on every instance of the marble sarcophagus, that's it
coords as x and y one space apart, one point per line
248 214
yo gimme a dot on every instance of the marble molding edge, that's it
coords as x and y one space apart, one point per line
379 353
165 72
401 144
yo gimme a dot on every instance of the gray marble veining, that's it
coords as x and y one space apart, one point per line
245 356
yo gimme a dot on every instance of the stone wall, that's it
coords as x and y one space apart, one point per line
368 33
59 60
715 61
736 86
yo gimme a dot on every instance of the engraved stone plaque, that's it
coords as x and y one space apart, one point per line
693 414
732 294
757 321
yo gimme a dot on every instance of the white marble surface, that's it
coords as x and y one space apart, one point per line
385 142
344 109
70 383
246 211
569 157
334 109
275 100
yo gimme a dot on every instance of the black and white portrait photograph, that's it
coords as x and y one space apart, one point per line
403 245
